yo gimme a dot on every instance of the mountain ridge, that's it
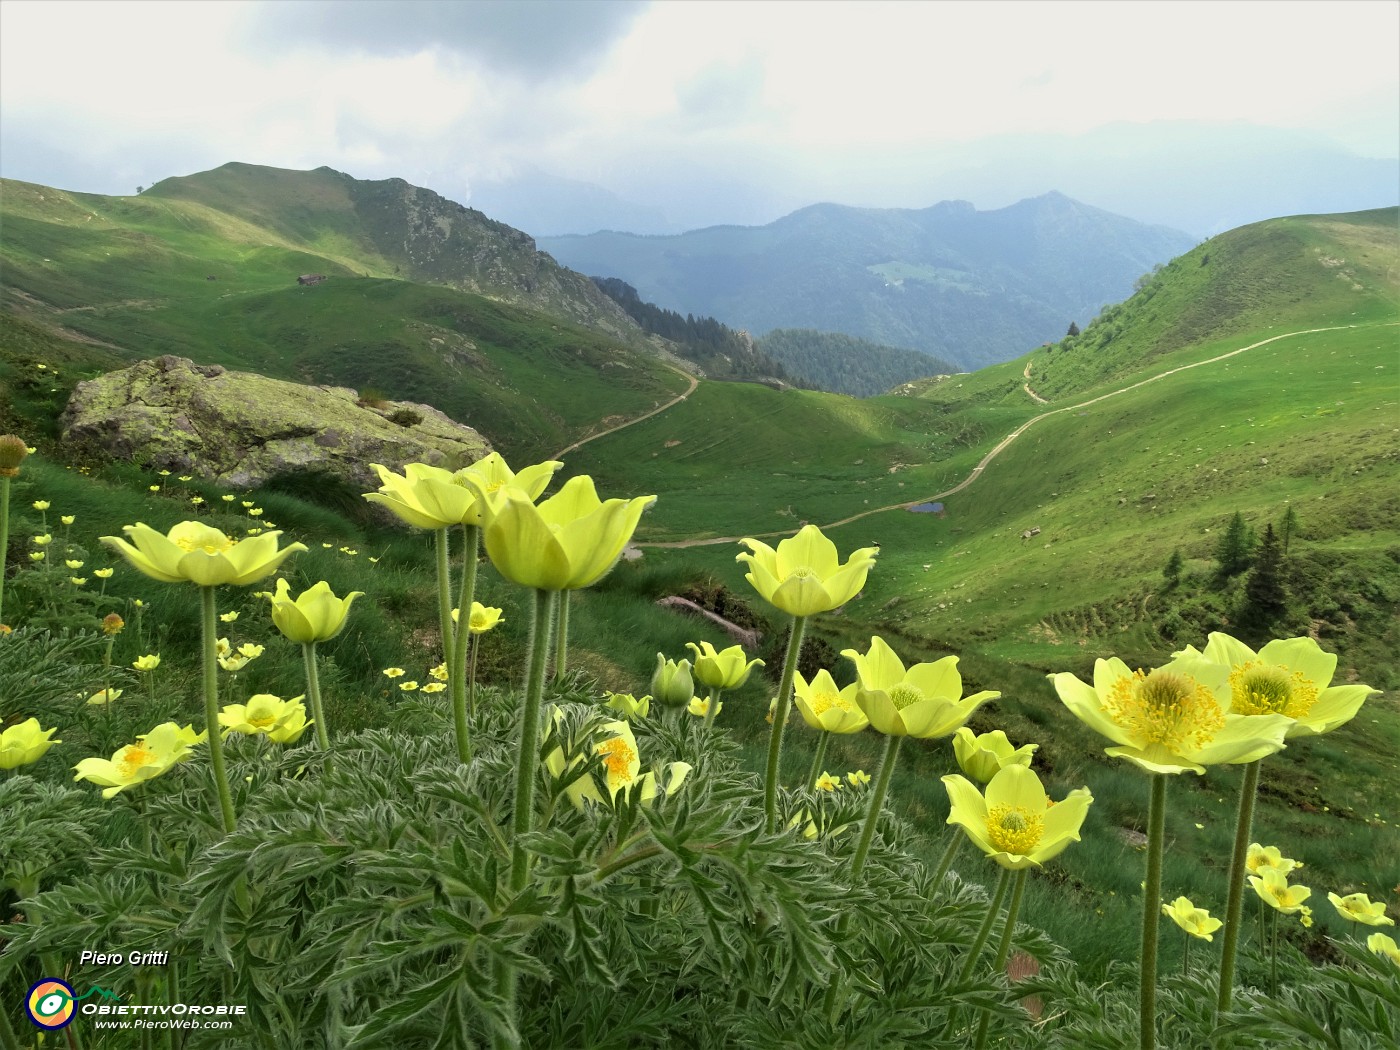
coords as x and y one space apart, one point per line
970 286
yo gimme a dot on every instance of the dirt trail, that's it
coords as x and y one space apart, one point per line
1003 444
1026 386
659 408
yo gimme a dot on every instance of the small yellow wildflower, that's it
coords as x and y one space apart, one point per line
1360 908
102 574
827 782
393 672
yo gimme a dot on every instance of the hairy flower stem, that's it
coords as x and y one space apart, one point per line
444 582
877 801
1152 911
471 677
985 930
780 717
817 761
946 861
313 693
457 668
1234 904
561 638
8 1039
1004 948
4 539
527 771
836 988
712 708
210 621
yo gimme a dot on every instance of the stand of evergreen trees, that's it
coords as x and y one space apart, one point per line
722 352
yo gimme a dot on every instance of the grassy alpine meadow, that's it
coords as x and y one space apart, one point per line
1102 754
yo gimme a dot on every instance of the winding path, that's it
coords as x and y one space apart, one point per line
1005 442
1026 386
658 409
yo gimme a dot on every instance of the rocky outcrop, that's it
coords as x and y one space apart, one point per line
241 429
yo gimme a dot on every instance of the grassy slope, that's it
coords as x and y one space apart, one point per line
749 459
1115 486
133 273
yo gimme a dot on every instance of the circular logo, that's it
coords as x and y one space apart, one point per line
50 1003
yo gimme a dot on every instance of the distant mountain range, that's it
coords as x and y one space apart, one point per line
972 287
1203 177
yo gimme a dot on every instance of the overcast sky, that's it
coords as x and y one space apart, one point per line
796 101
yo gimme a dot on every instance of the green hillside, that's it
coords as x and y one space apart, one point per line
164 273
1300 272
1117 474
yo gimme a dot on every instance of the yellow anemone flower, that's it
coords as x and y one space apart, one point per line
1260 858
149 662
1273 889
827 782
25 743
567 542
1195 921
197 553
1360 908
315 615
1289 677
103 696
628 705
621 771
1015 823
804 575
1385 946
281 721
482 619
153 754
700 707
983 757
721 669
490 478
923 701
1171 719
823 706
425 496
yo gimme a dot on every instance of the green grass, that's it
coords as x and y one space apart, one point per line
1115 487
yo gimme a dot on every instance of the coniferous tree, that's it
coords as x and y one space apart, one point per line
1073 330
1288 527
1232 553
1265 596
1172 570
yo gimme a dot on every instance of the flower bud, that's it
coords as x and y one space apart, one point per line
671 683
12 453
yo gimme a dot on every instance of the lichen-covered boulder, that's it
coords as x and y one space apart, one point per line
240 428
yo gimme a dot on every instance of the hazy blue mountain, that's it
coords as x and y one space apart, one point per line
1201 177
973 287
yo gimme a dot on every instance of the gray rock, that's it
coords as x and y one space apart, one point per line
240 429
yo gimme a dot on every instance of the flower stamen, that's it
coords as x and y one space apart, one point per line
1012 829
1257 688
1166 708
